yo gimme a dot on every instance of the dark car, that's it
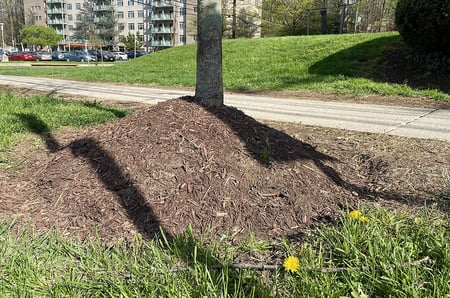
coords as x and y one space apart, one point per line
79 56
22 56
135 54
101 55
59 55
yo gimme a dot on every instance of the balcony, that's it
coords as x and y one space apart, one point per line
56 22
161 43
103 7
101 20
162 3
162 17
162 30
55 11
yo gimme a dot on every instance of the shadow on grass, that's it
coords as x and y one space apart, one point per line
385 59
258 138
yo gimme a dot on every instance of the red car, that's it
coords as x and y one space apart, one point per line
22 56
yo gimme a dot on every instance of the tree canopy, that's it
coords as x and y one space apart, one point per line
39 36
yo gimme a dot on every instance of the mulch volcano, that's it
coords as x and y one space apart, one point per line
178 164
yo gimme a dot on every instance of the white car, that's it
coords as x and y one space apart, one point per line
120 56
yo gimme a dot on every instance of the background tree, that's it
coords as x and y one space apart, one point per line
209 83
425 24
13 16
132 41
246 23
280 17
39 36
98 24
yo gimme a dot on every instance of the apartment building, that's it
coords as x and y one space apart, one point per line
160 24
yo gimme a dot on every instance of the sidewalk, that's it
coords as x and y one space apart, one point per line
401 121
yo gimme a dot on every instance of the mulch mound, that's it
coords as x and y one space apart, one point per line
178 164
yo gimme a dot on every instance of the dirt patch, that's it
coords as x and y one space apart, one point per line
178 164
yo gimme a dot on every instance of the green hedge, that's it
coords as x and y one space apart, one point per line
425 24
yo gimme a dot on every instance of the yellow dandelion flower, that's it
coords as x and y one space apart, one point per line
291 264
355 214
363 218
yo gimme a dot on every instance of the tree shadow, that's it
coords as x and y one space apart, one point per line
385 59
39 127
193 252
108 171
256 136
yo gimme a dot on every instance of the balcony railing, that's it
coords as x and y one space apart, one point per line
162 17
162 30
103 7
56 21
55 11
162 3
161 43
101 20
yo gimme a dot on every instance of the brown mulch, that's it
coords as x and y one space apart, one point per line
178 164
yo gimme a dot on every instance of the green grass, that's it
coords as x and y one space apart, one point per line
43 115
339 64
376 258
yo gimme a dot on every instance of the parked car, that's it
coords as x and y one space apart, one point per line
135 54
43 56
79 56
120 56
102 55
59 55
22 56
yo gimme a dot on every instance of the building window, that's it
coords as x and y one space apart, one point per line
121 26
78 6
130 26
182 11
120 3
140 13
78 17
130 2
183 38
182 25
131 14
70 27
69 17
141 26
120 15
69 6
194 9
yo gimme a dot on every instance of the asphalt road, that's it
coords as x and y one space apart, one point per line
400 121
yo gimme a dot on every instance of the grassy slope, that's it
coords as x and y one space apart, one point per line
339 64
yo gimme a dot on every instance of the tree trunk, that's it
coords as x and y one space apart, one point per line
209 85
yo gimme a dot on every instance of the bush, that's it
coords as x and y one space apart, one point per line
425 24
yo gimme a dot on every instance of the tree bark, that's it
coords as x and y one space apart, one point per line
209 84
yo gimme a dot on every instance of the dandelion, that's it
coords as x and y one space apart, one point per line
355 214
363 218
291 264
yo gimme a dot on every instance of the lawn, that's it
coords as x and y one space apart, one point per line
355 64
391 244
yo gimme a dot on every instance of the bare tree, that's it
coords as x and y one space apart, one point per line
13 16
209 85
